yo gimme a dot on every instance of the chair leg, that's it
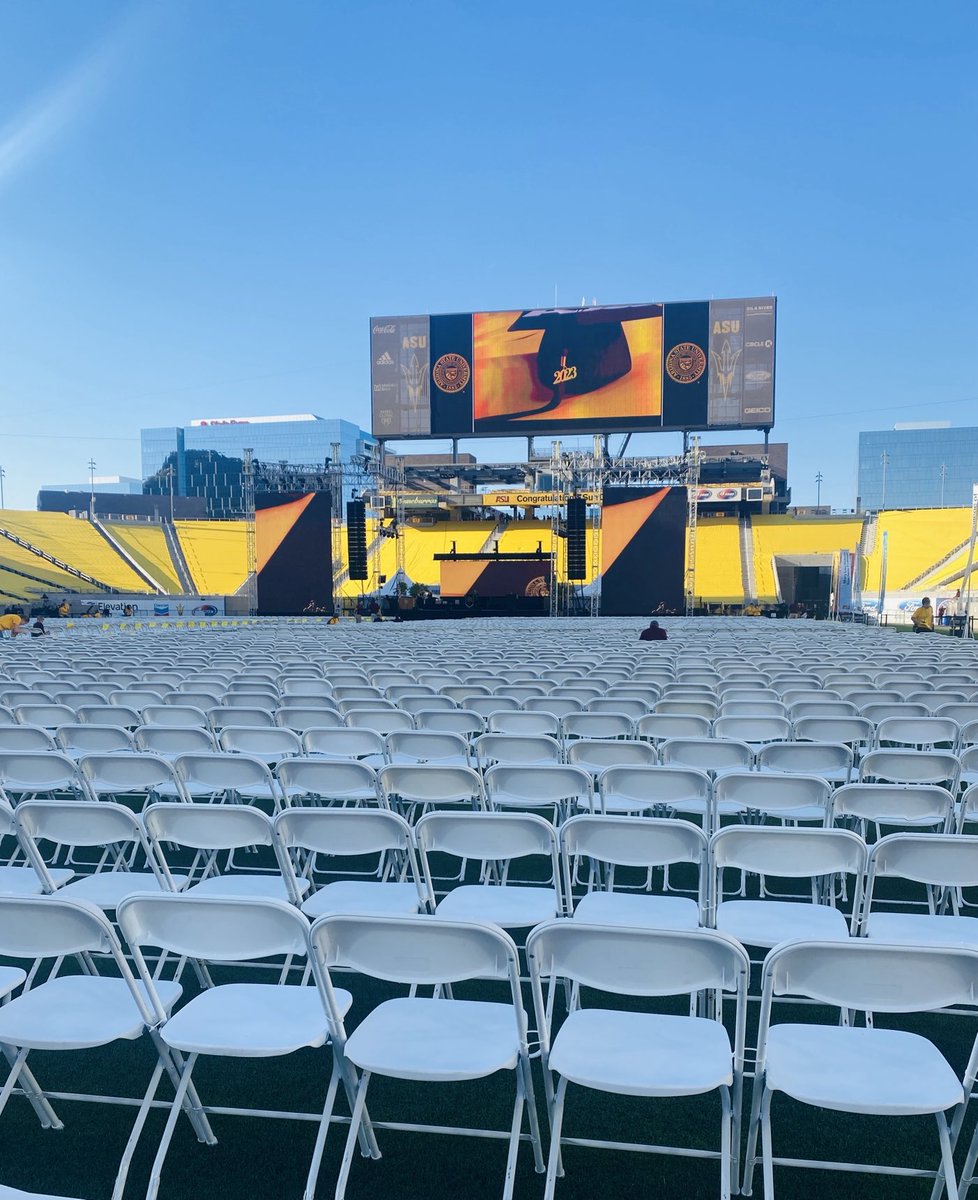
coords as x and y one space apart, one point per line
947 1161
322 1131
531 1102
173 1065
123 1172
750 1158
171 1122
726 1142
48 1118
351 1139
767 1147
556 1122
514 1136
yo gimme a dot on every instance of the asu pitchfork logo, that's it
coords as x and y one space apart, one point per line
725 366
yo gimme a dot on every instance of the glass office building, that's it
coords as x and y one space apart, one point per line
207 454
917 467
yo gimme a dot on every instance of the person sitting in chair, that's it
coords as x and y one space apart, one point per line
923 618
654 633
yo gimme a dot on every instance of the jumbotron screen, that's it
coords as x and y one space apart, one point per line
607 369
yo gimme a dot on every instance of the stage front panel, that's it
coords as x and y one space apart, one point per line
293 548
643 550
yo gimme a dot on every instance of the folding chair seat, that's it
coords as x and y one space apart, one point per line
306 836
462 721
138 776
124 863
943 864
428 1040
417 746
40 773
321 780
644 1054
524 723
856 1070
381 720
230 1020
910 766
219 836
170 741
342 745
116 715
69 1012
751 795
831 760
595 755
715 756
654 791
492 748
44 716
228 779
926 805
920 733
552 786
17 876
610 846
785 853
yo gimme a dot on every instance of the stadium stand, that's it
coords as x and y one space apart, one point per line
216 553
788 535
918 541
718 573
73 541
146 543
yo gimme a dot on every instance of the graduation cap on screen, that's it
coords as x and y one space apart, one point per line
583 348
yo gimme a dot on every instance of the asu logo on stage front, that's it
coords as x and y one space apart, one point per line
685 363
451 373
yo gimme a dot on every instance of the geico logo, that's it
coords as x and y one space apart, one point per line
414 343
765 345
385 329
726 327
750 411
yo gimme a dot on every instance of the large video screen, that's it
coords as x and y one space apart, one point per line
606 369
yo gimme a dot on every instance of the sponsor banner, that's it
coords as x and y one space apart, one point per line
741 367
140 606
724 494
843 592
400 370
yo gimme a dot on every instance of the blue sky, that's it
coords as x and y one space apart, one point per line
202 202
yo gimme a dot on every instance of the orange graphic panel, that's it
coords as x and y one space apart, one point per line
272 526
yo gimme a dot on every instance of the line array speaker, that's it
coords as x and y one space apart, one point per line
356 538
576 538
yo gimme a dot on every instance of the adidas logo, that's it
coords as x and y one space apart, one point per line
385 360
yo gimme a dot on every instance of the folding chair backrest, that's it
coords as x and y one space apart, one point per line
657 727
79 822
917 731
753 729
853 731
182 715
221 716
516 748
246 740
426 744
172 739
337 779
781 794
44 716
214 928
382 720
638 962
428 783
894 803
524 723
416 950
109 714
939 860
49 927
457 720
657 785
208 826
598 725
909 766
808 758
633 841
486 835
541 783
874 977
598 753
17 739
788 852
343 831
706 754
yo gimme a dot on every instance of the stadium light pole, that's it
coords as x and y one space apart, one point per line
943 481
885 460
91 480
818 489
2 476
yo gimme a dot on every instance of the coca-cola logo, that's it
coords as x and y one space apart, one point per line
385 328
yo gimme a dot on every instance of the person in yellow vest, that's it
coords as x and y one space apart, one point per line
923 617
11 623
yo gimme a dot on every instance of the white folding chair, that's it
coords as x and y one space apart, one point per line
381 720
230 1020
228 779
895 804
40 773
17 876
753 797
457 720
851 1069
644 1054
309 835
554 786
417 746
435 1040
170 741
910 766
270 745
493 841
25 739
620 854
658 727
524 724
816 855
341 745
182 715
655 791
220 717
139 777
831 760
514 748
217 835
69 1012
596 755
